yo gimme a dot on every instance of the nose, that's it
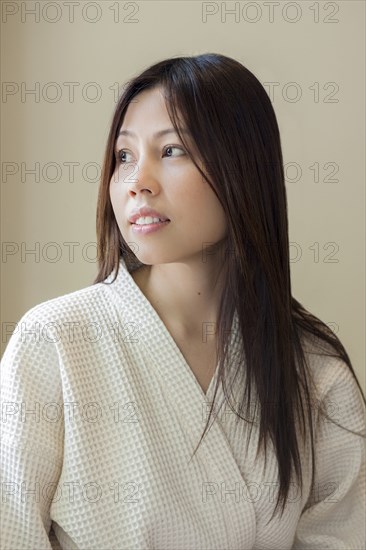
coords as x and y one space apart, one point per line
141 178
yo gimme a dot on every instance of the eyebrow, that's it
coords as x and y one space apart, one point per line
157 134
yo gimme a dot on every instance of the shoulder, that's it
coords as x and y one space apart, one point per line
337 388
75 302
323 364
86 316
53 321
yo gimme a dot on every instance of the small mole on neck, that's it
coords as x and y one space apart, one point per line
198 293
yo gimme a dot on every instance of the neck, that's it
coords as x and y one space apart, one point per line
186 294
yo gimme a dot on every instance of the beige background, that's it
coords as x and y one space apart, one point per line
322 52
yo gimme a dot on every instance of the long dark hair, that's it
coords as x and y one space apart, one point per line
233 126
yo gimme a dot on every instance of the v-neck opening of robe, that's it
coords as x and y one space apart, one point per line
153 316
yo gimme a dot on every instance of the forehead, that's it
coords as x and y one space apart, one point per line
148 117
146 105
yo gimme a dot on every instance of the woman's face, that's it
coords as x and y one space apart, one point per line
155 171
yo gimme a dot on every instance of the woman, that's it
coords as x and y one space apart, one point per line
189 320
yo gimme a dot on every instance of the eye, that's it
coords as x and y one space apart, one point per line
120 158
170 147
118 155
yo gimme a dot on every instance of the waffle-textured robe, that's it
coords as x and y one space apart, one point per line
100 417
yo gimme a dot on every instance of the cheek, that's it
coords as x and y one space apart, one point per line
117 203
115 190
187 186
214 214
201 210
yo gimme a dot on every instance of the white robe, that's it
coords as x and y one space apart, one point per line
103 458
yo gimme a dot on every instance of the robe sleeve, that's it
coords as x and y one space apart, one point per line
32 432
334 515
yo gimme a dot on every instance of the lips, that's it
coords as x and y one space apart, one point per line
144 211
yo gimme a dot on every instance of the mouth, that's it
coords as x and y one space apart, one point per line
148 220
148 227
